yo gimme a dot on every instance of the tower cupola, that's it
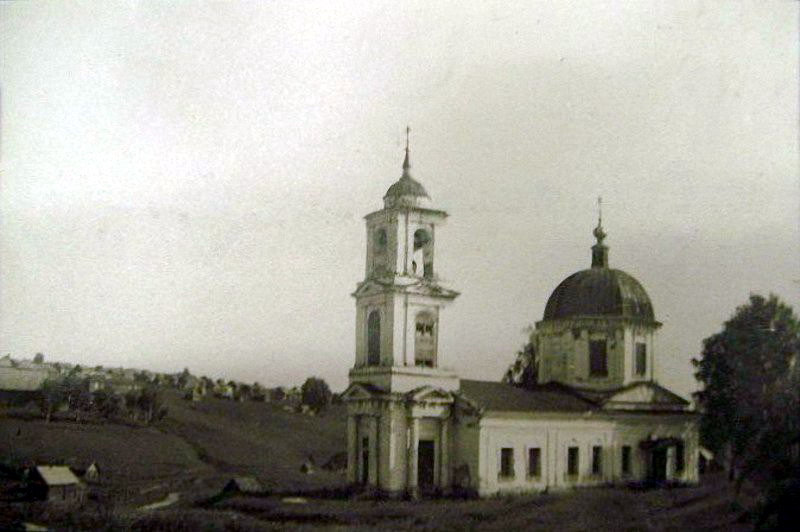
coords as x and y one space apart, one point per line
406 191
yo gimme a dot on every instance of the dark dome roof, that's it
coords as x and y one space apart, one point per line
406 186
599 291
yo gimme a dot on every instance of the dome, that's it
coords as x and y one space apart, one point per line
406 191
406 186
599 292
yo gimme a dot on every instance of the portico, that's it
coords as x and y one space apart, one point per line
399 443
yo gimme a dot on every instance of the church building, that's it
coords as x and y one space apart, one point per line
596 416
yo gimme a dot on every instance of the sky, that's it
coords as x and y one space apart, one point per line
184 184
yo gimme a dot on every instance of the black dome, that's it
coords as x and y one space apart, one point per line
599 292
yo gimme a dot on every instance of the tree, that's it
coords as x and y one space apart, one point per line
107 402
79 398
524 371
277 394
38 358
51 396
257 392
183 378
149 403
316 394
750 397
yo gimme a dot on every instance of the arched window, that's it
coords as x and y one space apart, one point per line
423 253
380 240
374 338
425 340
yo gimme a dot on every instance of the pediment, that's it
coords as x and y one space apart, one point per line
360 390
429 394
645 395
369 287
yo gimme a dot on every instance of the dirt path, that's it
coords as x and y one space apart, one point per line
170 499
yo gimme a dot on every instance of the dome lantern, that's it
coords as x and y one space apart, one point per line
599 250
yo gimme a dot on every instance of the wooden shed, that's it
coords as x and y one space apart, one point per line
57 485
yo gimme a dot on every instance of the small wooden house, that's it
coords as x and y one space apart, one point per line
57 485
244 485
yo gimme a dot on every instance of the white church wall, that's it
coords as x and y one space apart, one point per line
383 303
466 455
555 436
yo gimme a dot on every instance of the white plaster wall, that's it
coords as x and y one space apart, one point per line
566 358
466 450
385 304
634 335
387 220
555 436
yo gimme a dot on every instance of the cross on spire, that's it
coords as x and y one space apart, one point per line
406 163
599 250
599 210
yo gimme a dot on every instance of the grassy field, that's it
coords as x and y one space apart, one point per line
194 450
709 506
199 446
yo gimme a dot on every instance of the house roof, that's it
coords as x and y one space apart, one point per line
57 475
502 397
245 484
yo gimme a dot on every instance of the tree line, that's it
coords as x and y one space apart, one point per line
72 393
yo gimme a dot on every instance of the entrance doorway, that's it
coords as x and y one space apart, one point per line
658 473
425 465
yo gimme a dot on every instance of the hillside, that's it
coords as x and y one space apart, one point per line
198 445
190 455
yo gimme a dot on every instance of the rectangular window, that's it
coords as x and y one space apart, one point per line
597 460
572 461
598 358
641 358
534 462
680 459
507 462
626 459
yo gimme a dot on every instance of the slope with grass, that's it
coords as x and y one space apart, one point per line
199 444
260 439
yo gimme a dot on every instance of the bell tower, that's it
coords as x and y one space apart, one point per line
399 302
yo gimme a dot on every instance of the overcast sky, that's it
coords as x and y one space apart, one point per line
184 184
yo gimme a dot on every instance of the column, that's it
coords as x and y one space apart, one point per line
352 449
444 454
670 467
373 451
411 460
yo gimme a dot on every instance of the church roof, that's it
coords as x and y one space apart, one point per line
406 186
599 291
635 395
502 397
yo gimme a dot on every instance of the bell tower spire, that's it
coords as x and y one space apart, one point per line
406 163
